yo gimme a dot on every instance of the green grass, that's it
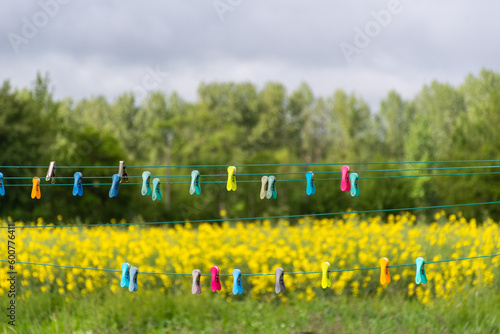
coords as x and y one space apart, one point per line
126 312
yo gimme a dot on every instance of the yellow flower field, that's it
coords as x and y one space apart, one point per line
350 242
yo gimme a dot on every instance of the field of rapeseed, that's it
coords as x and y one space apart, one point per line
349 242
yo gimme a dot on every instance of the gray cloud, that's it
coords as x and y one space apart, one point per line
95 47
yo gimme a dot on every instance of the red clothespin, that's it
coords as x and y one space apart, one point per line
345 185
215 279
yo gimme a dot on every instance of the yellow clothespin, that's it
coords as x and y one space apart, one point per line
35 191
385 277
326 279
231 178
51 173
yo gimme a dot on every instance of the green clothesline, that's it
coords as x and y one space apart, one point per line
283 173
248 181
269 165
222 220
259 274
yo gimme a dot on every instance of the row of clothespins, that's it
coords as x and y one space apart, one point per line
349 182
129 277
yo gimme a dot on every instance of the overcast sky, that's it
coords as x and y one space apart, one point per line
97 47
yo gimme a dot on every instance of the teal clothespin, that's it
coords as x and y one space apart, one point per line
125 281
77 186
271 188
354 184
420 276
2 187
310 189
156 189
133 286
195 183
113 192
146 186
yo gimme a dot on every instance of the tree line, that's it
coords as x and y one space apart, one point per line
237 123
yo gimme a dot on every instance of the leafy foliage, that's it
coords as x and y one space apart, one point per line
237 123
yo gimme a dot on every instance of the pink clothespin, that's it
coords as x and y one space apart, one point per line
215 279
345 185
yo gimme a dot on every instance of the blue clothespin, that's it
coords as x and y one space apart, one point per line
195 183
237 287
133 286
146 187
125 281
310 189
271 187
77 187
156 189
113 192
354 184
420 276
2 187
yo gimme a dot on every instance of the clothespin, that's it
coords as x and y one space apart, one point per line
280 283
125 281
196 288
156 189
385 277
113 192
133 286
195 183
344 182
271 188
326 279
354 184
215 279
122 170
35 191
231 178
310 189
237 287
146 186
263 189
420 276
77 186
2 187
51 173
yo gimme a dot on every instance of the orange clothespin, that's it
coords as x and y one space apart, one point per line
35 191
385 277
